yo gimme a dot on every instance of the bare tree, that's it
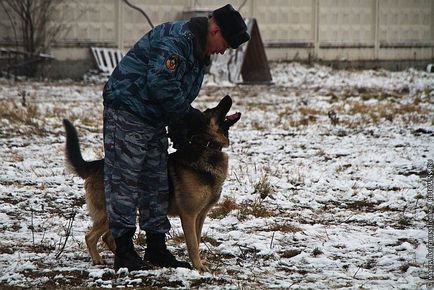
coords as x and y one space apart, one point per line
34 21
141 11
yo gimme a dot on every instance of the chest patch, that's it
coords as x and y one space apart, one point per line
172 62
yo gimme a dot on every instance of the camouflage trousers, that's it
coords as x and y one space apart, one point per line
135 173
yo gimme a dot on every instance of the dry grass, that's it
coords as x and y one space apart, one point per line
22 119
263 186
379 112
404 222
290 122
406 265
90 121
308 111
358 114
302 117
177 236
259 126
297 178
140 238
256 209
316 252
15 113
285 112
285 228
223 208
210 240
388 109
361 205
369 264
25 117
367 94
290 253
342 168
251 106
16 157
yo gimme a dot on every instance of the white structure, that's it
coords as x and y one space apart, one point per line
356 31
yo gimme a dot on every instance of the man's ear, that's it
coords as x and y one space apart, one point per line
214 29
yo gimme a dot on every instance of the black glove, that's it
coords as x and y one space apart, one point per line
181 130
194 119
177 132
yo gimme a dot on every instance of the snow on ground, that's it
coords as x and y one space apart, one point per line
326 187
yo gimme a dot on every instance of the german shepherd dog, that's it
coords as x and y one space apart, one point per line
196 171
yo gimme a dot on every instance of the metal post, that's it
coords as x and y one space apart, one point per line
376 29
119 23
316 28
432 30
252 8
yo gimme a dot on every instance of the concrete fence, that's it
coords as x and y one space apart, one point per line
363 32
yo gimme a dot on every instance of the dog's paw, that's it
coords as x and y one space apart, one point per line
202 268
99 261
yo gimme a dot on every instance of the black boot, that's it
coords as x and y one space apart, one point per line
157 253
126 256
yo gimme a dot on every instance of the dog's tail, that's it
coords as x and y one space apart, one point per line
74 160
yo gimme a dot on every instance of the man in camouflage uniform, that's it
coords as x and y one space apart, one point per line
153 86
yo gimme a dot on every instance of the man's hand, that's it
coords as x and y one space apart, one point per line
181 130
178 134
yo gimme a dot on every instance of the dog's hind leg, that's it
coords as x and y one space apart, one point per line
199 225
109 241
92 237
189 227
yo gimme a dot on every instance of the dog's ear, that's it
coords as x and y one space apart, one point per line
225 104
222 108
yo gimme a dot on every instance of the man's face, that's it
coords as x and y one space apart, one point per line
215 42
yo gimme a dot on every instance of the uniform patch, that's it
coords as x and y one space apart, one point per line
172 62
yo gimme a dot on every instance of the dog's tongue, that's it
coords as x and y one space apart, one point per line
233 117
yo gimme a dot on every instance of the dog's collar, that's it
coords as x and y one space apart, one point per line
205 143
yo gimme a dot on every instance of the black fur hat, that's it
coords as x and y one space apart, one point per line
232 25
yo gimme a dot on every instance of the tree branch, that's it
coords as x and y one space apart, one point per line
140 10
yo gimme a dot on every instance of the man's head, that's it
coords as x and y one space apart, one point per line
226 29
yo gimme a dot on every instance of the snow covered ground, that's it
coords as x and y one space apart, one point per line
327 185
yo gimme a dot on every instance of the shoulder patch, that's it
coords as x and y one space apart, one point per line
172 62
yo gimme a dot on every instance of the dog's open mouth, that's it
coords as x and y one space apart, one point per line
232 119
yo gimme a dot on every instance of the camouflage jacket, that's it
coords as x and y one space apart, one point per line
162 73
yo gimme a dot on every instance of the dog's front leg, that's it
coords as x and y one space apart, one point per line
189 227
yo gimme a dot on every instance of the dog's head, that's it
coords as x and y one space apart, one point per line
218 122
212 130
